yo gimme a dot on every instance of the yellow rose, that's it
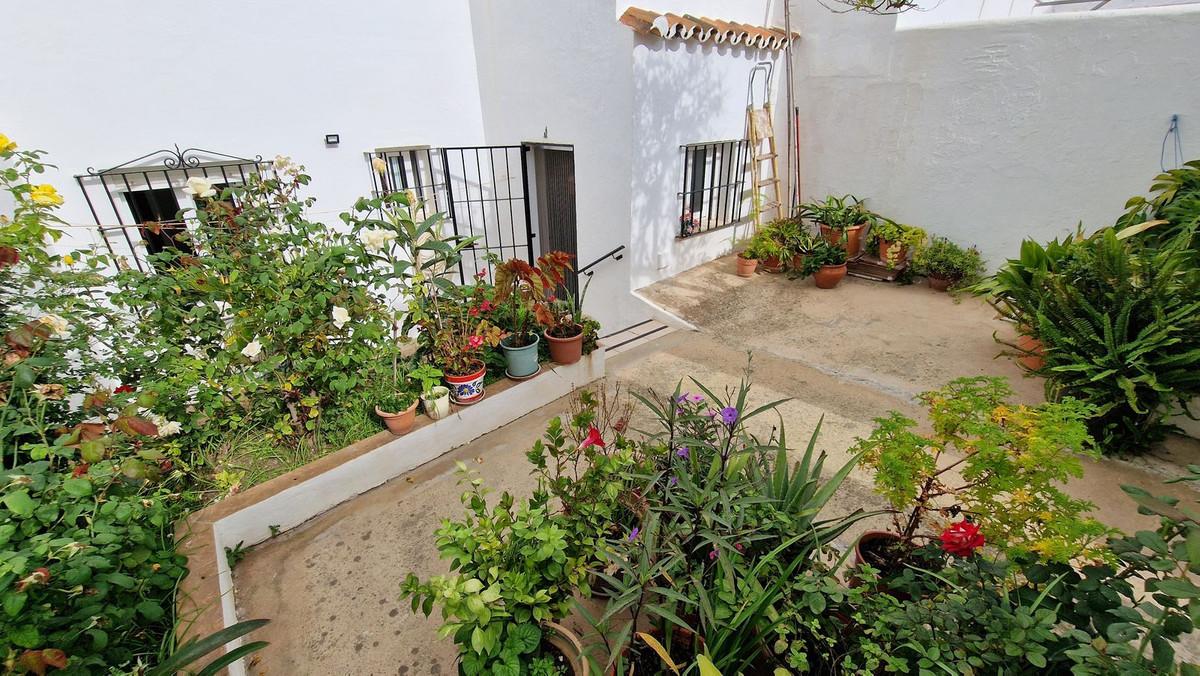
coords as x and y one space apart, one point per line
6 144
45 195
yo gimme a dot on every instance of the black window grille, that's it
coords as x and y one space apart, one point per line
714 183
481 191
136 204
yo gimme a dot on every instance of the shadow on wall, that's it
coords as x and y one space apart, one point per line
683 93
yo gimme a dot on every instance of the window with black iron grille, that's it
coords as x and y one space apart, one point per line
714 180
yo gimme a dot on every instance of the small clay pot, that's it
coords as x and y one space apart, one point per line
901 254
565 350
437 402
1032 359
828 276
772 264
939 283
745 266
399 423
568 644
852 238
798 262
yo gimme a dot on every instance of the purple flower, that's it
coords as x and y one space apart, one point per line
633 534
683 452
713 554
672 481
681 399
729 415
695 398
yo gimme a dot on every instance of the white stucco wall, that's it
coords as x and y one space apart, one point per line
993 131
685 92
562 70
97 84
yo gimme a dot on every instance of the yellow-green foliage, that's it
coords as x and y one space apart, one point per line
997 463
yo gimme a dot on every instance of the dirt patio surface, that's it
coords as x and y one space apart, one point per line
847 355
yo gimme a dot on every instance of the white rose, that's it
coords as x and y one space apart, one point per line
375 239
379 165
199 187
340 316
59 328
168 428
252 350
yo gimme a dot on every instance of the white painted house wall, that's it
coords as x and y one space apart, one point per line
97 84
684 92
994 131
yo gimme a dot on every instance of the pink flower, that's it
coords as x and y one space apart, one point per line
962 539
122 389
486 306
474 342
474 312
593 439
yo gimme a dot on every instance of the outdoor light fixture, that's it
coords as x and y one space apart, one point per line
332 139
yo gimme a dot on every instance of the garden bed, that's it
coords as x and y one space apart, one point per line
206 601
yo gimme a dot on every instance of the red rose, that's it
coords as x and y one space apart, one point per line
962 539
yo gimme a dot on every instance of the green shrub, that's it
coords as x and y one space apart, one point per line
88 563
944 259
1119 323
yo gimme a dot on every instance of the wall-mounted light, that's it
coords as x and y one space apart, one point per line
332 139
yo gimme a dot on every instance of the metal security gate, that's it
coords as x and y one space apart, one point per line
137 204
556 204
481 190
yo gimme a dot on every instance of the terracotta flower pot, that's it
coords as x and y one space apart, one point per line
772 264
901 253
437 402
853 236
745 266
871 538
939 283
399 423
798 262
467 389
567 643
565 350
1032 361
828 276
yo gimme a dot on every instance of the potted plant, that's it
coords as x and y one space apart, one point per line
435 397
995 464
770 249
527 290
827 264
896 240
798 242
516 565
945 264
457 335
398 410
841 220
564 332
747 259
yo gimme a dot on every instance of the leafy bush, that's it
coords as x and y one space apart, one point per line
838 213
517 565
1119 324
998 463
268 323
946 260
821 254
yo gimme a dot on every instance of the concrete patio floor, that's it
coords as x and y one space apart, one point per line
848 355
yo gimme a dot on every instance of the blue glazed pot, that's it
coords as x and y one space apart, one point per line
522 362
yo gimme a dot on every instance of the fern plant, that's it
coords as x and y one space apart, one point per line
1119 320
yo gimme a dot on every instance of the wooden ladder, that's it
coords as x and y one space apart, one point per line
760 128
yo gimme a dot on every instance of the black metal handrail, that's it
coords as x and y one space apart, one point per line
615 254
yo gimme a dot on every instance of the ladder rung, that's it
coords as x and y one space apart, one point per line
769 205
765 181
768 156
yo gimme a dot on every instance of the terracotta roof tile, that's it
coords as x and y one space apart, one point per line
705 29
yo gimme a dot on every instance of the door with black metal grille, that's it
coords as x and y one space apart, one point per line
556 203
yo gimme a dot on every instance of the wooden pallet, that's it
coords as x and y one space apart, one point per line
867 266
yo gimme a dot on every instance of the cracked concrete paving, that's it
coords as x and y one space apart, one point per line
847 356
